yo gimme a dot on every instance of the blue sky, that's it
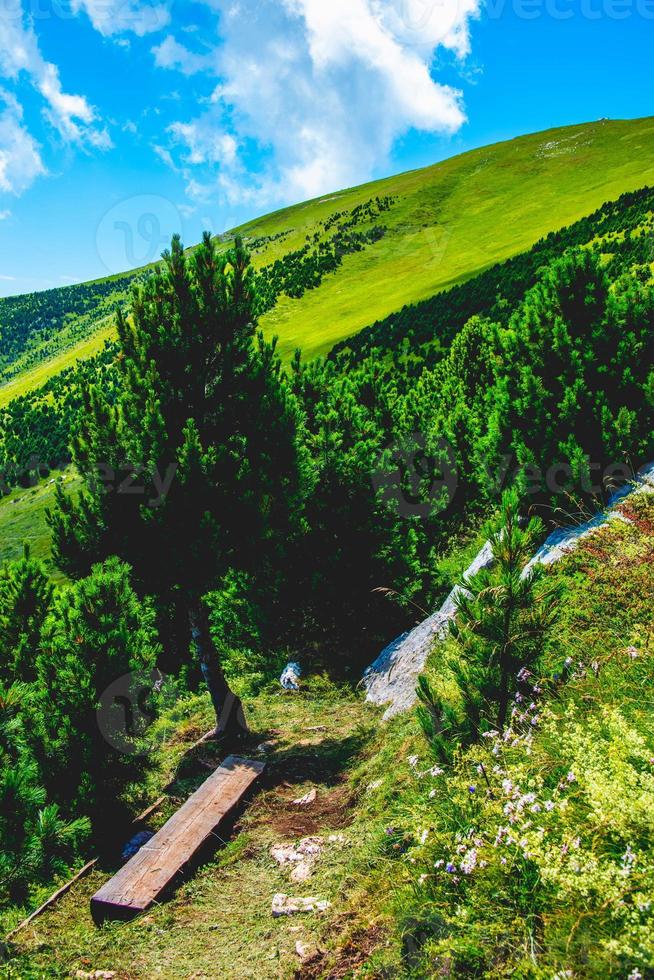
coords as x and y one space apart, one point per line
123 121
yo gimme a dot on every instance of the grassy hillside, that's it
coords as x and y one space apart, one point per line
446 223
558 820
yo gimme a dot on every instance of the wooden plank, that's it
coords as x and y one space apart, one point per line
80 874
145 876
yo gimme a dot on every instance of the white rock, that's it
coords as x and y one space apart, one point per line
305 950
302 856
391 679
95 974
287 905
306 799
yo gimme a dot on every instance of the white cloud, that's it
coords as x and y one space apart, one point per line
72 116
5 214
111 17
171 54
20 157
324 89
205 144
164 155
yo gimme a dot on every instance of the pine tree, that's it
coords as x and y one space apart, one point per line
98 631
34 841
207 423
504 619
25 598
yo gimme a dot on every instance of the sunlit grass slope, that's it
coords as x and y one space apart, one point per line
447 223
455 219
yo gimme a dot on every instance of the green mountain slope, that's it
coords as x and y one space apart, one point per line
444 224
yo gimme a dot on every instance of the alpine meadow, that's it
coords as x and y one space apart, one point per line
327 533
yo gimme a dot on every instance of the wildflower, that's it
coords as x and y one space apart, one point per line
439 863
633 653
390 831
450 868
413 761
472 789
535 720
507 786
571 778
568 662
436 771
628 860
424 835
502 860
422 879
523 675
432 794
469 862
549 805
519 698
635 975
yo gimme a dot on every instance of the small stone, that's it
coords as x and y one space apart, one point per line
307 798
286 905
302 855
95 974
306 951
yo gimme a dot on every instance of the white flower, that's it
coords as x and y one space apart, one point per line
469 862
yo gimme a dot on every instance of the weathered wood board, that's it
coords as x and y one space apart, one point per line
145 876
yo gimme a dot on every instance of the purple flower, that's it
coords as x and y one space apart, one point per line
472 789
450 868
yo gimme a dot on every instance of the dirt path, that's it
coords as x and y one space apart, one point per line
219 924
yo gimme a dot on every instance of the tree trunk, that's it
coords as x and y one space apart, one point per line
230 718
